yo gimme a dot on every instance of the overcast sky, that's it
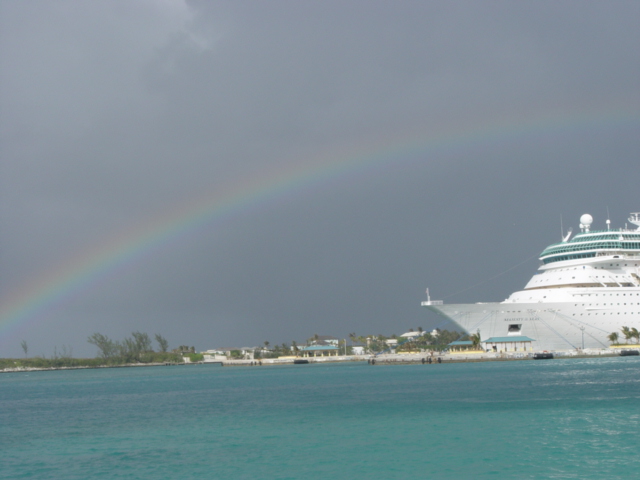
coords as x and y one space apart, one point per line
116 113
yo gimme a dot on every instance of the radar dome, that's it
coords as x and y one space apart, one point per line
586 220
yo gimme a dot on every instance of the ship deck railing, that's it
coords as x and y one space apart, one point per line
432 302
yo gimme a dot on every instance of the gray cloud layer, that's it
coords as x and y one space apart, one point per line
113 113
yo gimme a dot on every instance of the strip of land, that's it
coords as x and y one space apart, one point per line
424 358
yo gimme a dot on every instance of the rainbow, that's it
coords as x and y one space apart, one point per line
35 300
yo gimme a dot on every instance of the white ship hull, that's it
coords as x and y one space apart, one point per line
553 326
585 290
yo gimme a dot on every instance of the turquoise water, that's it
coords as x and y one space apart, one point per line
565 419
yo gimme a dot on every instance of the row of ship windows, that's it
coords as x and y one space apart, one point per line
618 313
568 257
617 265
604 304
604 294
575 305
615 236
582 240
597 295
583 255
590 304
594 246
573 278
601 268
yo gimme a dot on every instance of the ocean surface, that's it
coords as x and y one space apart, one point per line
563 419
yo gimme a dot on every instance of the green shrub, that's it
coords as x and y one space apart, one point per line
196 357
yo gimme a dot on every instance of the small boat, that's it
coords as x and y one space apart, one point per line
543 356
300 361
629 353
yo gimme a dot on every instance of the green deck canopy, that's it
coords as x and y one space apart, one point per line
515 338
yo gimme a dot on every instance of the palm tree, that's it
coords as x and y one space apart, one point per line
635 334
613 338
475 340
626 331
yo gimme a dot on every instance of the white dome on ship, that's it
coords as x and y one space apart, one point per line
586 220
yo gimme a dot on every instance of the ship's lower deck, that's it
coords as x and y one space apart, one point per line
552 326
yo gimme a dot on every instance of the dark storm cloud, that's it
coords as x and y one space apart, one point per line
114 112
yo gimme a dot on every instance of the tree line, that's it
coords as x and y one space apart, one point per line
138 348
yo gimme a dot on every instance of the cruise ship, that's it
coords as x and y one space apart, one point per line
586 288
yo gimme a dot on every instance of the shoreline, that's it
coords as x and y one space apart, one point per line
382 359
87 367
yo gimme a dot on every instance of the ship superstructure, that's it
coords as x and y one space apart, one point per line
586 288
